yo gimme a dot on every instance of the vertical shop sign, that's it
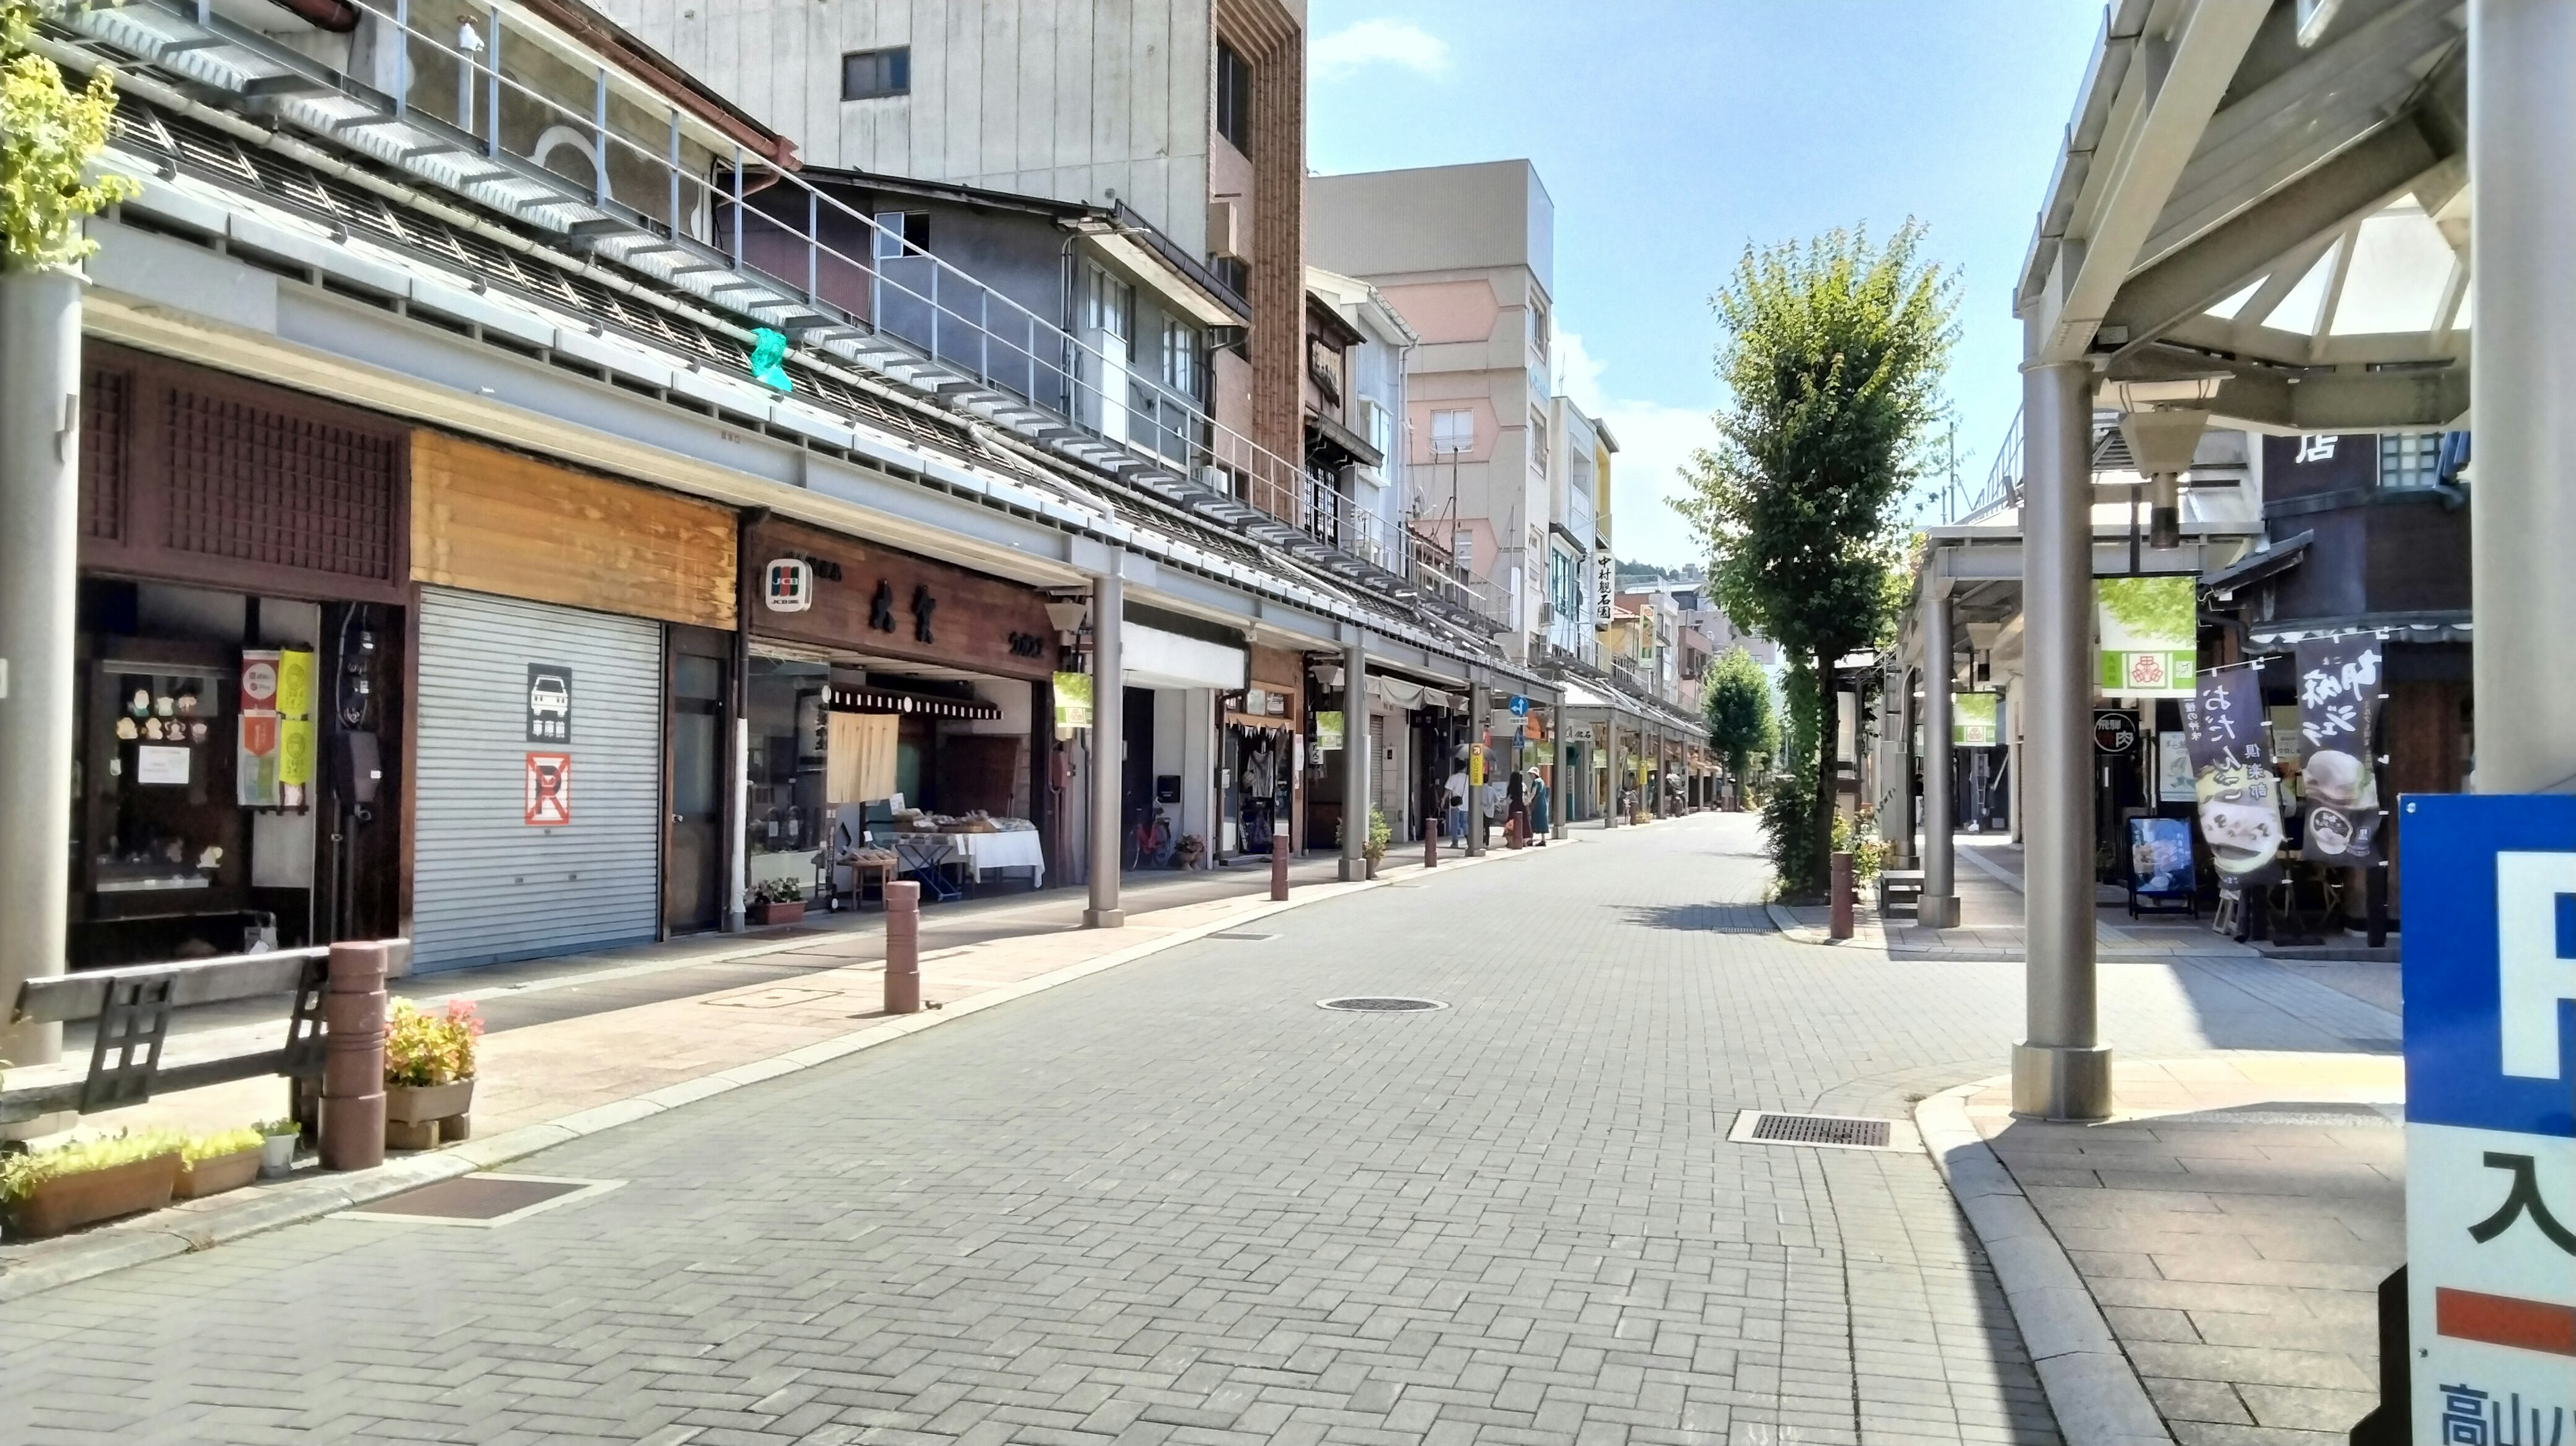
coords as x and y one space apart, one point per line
1975 720
273 737
1072 701
2338 704
2489 973
1328 731
2239 799
549 789
2150 636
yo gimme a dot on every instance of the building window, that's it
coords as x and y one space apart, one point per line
1453 432
1108 305
2409 459
1462 548
869 74
1181 359
902 233
1233 97
1538 444
1538 329
1381 426
1236 275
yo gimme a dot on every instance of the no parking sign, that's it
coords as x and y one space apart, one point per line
2490 981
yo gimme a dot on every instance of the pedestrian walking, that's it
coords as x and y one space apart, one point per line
1455 801
1541 821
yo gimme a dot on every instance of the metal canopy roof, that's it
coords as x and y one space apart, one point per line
2287 213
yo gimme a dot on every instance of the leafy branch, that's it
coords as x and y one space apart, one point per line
49 135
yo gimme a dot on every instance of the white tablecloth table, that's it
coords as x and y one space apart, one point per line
980 853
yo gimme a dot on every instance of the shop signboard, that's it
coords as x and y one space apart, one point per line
2150 636
2489 973
1605 586
2115 732
2339 692
1975 720
2239 798
2173 768
549 789
1072 701
1328 730
273 738
787 585
549 700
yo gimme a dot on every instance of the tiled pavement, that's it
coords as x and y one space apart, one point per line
1177 1202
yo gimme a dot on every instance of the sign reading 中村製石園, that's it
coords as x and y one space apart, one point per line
2489 978
1976 720
2150 636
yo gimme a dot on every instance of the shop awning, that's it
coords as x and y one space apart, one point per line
871 700
1153 658
2280 557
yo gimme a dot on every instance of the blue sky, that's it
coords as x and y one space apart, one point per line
1671 134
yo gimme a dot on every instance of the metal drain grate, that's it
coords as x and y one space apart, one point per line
1843 1132
1240 934
1374 1004
481 1199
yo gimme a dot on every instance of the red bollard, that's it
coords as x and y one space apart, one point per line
1841 927
903 947
1430 845
353 1058
1278 867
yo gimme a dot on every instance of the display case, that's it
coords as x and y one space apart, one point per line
158 829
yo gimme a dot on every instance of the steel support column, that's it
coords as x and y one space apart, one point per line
1356 761
1939 906
1108 747
40 349
1558 799
2061 1070
1476 705
2522 134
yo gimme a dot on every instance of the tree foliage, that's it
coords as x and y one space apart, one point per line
1736 696
49 134
1832 351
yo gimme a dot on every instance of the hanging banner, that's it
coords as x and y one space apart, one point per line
2150 636
2239 799
1976 720
1072 700
1328 730
2338 713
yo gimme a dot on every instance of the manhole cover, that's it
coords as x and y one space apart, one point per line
481 1199
1844 1132
1373 1004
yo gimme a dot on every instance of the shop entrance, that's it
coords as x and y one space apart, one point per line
695 726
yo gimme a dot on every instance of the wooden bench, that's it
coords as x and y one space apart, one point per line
132 1006
1895 885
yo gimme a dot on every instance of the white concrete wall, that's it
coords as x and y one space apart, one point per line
1073 101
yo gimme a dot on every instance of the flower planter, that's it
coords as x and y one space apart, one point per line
68 1202
215 1175
788 912
418 1117
277 1156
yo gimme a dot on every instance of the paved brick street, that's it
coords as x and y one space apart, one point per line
1178 1202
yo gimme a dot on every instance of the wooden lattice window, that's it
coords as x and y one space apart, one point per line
106 400
329 491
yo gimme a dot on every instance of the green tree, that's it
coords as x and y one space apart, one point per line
1736 696
49 134
1832 352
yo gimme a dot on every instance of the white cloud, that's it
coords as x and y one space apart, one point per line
1655 443
1373 42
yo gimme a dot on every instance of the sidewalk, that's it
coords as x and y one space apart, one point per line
2233 1225
582 1044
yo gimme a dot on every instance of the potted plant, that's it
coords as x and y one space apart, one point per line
277 1147
1380 834
777 901
429 1074
212 1164
46 1192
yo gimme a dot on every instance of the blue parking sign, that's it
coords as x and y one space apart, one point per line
2489 909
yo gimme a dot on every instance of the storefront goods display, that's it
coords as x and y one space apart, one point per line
2339 694
2239 798
2150 636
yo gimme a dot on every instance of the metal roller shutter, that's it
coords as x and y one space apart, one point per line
487 885
1383 786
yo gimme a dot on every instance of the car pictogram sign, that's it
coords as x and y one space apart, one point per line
549 789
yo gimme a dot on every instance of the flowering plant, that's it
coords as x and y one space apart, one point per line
423 1049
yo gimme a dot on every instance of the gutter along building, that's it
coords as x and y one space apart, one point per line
473 590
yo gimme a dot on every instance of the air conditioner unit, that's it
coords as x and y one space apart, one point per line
1225 238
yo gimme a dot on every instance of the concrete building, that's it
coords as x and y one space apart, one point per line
1466 254
1190 115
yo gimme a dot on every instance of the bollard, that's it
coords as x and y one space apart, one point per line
903 947
1841 927
353 1058
1279 867
1430 845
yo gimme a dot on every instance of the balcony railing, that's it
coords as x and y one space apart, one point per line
484 105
